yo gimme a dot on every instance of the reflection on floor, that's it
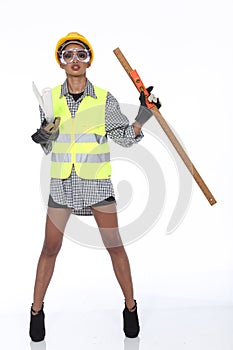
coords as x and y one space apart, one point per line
163 327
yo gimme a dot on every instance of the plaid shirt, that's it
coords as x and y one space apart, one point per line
78 193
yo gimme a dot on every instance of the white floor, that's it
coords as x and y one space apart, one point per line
173 325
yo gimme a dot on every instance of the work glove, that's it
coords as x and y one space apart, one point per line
47 132
144 113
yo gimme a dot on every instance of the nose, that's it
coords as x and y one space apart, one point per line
75 58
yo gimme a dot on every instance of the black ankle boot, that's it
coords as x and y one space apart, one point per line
131 323
37 327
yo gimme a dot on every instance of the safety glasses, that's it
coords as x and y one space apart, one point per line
68 56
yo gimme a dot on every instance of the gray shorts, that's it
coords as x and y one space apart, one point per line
106 201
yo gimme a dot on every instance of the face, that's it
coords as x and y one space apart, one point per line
74 66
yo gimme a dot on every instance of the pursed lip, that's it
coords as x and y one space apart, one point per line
75 66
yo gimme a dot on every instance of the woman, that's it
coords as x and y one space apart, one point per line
85 117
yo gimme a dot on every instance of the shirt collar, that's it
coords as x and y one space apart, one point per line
89 89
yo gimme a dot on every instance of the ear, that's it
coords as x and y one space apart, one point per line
61 66
88 65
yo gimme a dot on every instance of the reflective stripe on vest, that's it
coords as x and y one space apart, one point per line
64 138
61 157
82 140
83 158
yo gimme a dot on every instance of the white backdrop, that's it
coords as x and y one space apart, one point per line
183 48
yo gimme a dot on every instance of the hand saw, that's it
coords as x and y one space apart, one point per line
140 86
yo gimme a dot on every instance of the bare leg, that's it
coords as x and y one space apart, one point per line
106 219
55 225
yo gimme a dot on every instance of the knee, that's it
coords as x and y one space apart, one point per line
116 251
51 250
112 239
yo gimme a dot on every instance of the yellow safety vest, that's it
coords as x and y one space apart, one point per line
82 140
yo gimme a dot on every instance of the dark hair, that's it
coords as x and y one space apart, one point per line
67 42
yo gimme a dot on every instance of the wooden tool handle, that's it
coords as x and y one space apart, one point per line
139 85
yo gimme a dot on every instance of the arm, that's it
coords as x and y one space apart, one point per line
117 125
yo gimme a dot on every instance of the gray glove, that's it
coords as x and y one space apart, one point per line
144 113
47 132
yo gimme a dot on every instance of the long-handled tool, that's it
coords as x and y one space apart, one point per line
140 86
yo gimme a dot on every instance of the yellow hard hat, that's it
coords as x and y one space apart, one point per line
73 36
